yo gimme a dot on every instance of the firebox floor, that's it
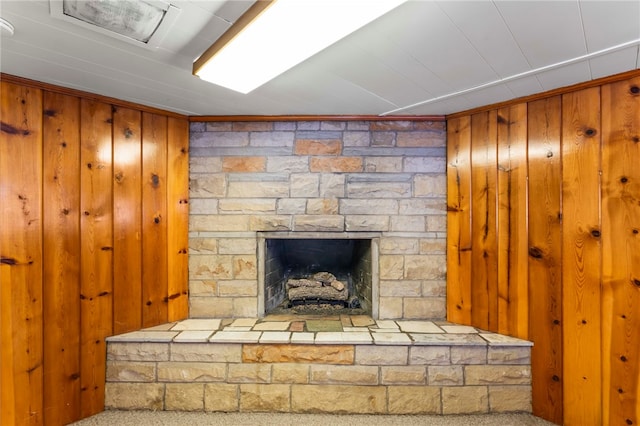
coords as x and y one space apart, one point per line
310 329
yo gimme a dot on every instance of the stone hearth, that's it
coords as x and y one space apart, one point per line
288 364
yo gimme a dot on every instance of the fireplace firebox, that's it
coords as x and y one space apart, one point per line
318 273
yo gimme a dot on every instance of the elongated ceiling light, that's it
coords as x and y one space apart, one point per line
275 35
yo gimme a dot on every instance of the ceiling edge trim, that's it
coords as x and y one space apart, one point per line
223 118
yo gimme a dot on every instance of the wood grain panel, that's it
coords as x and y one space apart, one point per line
127 224
484 262
513 308
581 252
96 227
459 220
621 252
178 218
154 220
545 256
61 219
21 255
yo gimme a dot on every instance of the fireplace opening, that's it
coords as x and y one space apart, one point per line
312 275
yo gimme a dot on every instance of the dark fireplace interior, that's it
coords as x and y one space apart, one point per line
318 276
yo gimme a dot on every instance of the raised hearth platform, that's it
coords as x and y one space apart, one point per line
340 364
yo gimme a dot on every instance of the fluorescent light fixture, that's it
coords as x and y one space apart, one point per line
275 35
144 23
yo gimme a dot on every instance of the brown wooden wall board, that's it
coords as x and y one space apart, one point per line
459 220
61 253
21 255
127 219
621 252
545 256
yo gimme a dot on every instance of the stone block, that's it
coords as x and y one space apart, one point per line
465 400
203 206
509 355
338 399
433 246
434 126
265 398
414 400
425 267
408 224
137 351
191 371
205 165
382 165
432 185
445 375
222 223
497 374
290 373
429 355
249 373
308 125
210 307
400 288
203 246
318 223
134 396
391 125
404 375
323 354
318 147
422 206
245 307
270 223
332 185
263 189
238 288
425 307
356 138
246 206
217 126
358 125
436 223
344 375
383 138
381 355
333 125
245 267
222 139
468 355
336 164
391 267
271 139
203 287
364 207
375 190
367 223
207 186
505 399
390 307
399 245
221 397
426 138
291 206
206 352
127 371
434 288
284 125
236 245
252 126
287 164
211 267
424 165
244 164
325 206
184 397
304 185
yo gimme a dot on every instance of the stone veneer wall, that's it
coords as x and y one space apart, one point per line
317 176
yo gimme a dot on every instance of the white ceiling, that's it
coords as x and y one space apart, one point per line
425 57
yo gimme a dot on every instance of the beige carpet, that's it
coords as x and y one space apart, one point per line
173 418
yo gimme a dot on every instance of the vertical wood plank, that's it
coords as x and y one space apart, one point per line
512 221
581 253
178 218
21 254
484 263
459 220
621 252
545 256
154 220
96 267
61 251
127 227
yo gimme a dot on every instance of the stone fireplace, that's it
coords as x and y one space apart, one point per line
256 185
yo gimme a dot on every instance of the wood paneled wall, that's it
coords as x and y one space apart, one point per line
93 239
544 243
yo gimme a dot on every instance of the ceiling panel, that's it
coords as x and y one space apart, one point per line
409 61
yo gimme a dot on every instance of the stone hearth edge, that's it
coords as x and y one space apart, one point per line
274 365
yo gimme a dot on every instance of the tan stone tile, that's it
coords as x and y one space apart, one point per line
509 355
362 320
134 396
265 398
221 397
290 373
275 337
419 327
445 375
338 399
244 322
272 326
191 371
381 355
344 374
206 352
429 355
465 400
497 374
236 337
193 336
197 324
414 400
249 373
404 375
391 339
184 397
505 399
123 351
128 371
468 354
324 354
459 329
